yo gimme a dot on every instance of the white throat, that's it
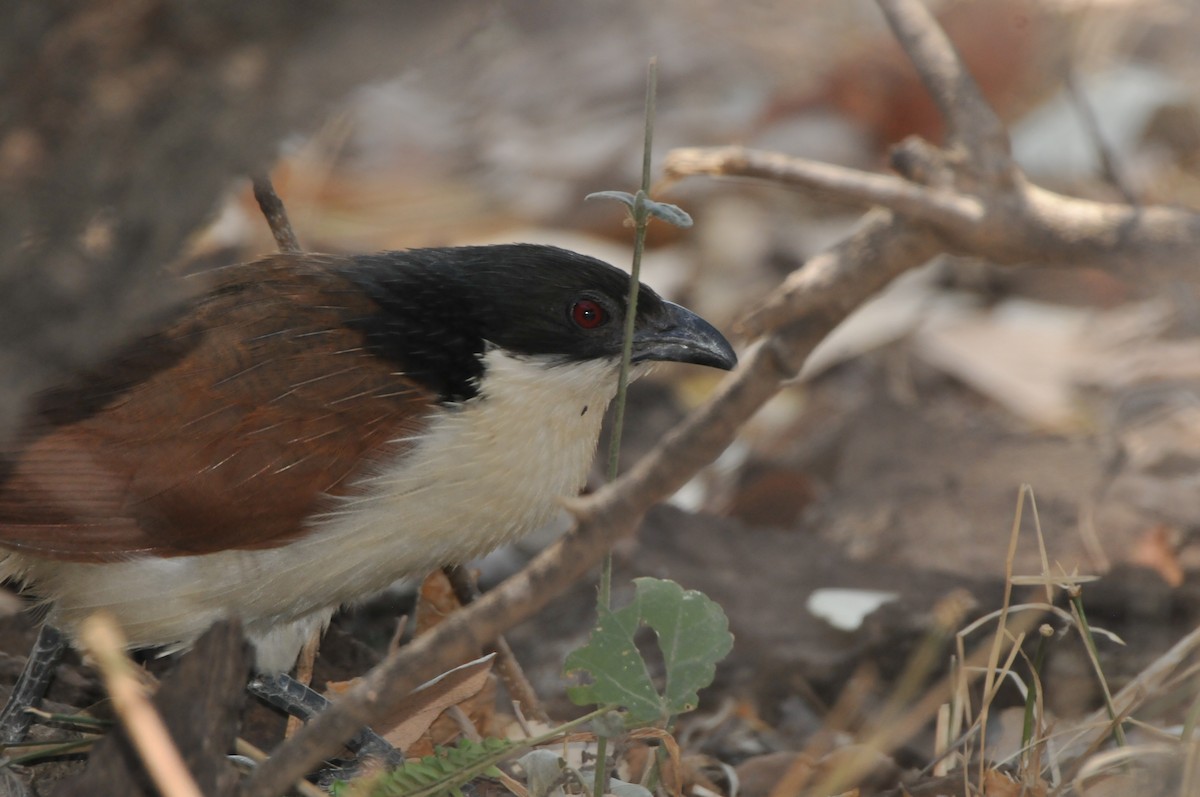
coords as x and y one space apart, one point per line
492 468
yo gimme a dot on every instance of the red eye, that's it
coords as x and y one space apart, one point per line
588 314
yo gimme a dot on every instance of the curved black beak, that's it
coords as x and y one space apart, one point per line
679 335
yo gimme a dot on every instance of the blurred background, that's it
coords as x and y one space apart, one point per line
892 464
925 411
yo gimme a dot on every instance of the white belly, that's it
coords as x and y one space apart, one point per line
494 468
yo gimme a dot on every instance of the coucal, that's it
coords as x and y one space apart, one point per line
314 427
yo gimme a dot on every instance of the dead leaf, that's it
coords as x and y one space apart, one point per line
1156 550
1020 354
479 710
999 784
435 602
417 712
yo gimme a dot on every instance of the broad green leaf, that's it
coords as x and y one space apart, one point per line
693 634
616 667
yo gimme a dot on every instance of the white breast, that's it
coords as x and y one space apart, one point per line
493 469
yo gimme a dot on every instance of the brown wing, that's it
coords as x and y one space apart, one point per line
226 430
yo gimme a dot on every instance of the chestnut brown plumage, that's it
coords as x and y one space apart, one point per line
227 429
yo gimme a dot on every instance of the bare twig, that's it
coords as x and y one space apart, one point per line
304 674
104 641
507 666
970 121
301 787
1109 164
276 215
902 196
1023 224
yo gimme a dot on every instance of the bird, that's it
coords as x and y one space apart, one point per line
311 428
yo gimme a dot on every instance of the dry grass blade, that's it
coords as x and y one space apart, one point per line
887 738
103 639
1148 685
304 674
1119 761
989 685
507 667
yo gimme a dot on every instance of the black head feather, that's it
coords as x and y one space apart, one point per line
439 310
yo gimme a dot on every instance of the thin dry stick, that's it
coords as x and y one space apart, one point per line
1109 163
276 215
935 205
301 787
103 639
304 673
507 666
970 121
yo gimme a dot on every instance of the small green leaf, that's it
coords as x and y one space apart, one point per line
671 214
641 206
693 634
623 197
443 773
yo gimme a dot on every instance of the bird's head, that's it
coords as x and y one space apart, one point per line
442 310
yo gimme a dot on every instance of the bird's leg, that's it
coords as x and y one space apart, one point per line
297 700
31 687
